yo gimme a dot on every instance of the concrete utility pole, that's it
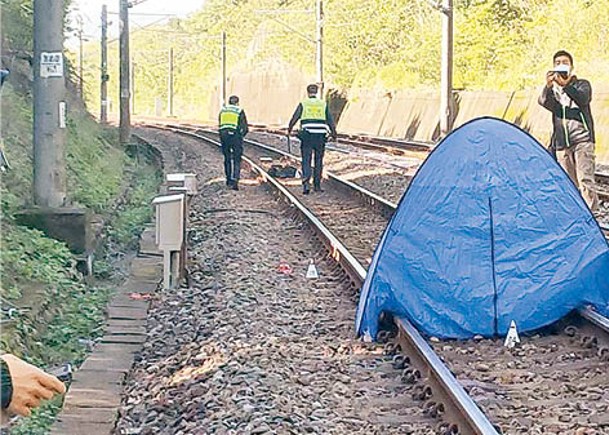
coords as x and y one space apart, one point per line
446 94
170 83
49 105
319 43
103 112
125 115
223 86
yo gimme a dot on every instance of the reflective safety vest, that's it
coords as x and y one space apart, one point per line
313 118
229 117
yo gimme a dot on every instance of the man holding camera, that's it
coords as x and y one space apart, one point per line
568 98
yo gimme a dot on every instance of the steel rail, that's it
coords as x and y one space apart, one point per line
393 146
459 406
468 414
595 318
602 176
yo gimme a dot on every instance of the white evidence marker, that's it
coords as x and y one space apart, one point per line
512 338
312 271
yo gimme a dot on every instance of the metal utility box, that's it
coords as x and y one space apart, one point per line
188 181
169 222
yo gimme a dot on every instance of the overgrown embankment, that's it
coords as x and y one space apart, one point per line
50 314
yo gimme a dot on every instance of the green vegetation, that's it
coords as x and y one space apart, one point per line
94 167
17 24
131 219
395 44
63 316
41 420
39 272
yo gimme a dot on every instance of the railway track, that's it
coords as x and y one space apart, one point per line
396 160
579 349
394 147
402 147
390 178
396 176
458 410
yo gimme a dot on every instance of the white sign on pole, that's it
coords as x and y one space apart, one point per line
62 114
51 64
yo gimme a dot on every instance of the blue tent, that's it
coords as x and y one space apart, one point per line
490 230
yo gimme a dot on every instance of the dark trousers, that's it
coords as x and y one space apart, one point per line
312 143
232 148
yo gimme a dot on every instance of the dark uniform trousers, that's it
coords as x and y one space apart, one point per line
312 143
232 148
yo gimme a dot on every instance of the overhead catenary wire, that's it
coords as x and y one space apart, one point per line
146 14
139 29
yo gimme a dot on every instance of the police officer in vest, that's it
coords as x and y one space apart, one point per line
233 128
315 124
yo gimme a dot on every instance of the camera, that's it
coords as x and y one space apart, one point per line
63 373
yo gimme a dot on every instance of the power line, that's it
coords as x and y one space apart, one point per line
139 30
284 11
145 14
136 2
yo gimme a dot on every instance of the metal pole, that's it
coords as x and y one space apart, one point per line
223 86
132 87
103 112
170 84
49 105
81 58
446 97
125 116
319 52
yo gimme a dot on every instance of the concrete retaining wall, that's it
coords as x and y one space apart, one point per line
414 115
270 91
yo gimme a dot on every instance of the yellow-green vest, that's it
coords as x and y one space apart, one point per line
313 109
229 117
313 118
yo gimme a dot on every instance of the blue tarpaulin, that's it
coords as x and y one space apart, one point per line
490 230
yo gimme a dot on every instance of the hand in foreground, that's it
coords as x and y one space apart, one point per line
30 386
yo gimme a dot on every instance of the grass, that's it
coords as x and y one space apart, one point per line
129 222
